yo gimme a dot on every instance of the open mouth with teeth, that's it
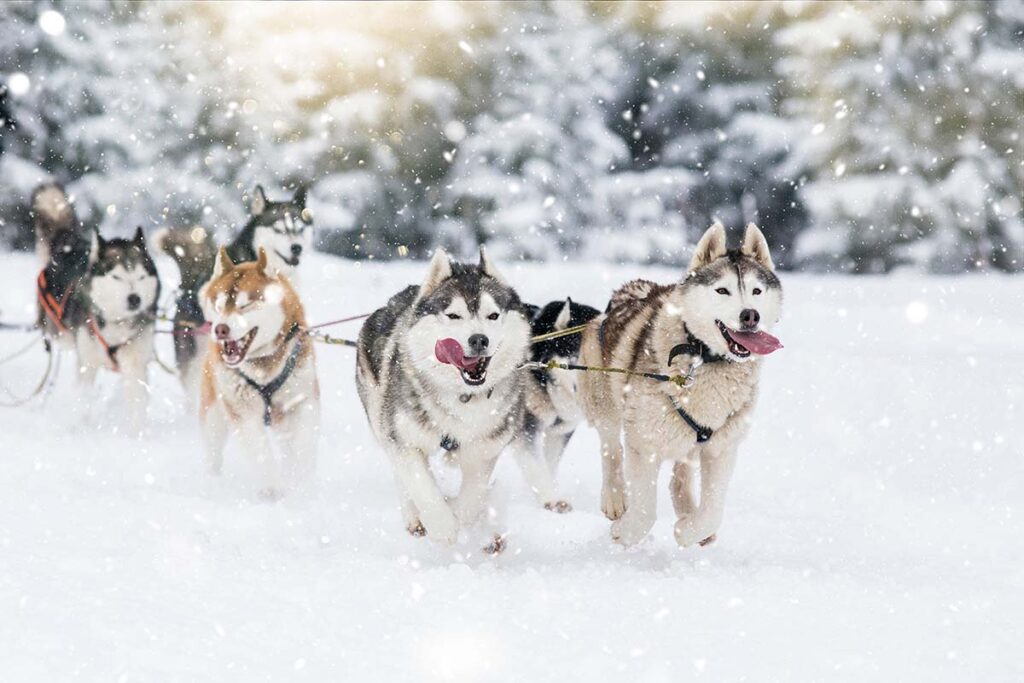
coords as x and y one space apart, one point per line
742 344
233 350
472 368
475 375
290 260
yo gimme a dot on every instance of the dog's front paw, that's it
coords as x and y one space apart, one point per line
441 526
496 546
628 531
613 501
694 530
559 506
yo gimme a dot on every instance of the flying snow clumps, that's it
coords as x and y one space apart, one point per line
52 22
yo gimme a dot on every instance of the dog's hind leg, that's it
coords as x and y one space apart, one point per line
420 487
554 446
476 482
682 490
537 473
299 443
642 465
716 467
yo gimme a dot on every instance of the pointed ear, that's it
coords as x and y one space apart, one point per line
487 266
710 247
440 270
300 197
756 246
261 261
258 202
564 316
140 237
224 264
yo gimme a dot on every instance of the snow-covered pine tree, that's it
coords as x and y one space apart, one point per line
912 121
361 113
524 177
701 112
102 107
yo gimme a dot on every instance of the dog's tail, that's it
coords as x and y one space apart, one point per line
52 211
192 250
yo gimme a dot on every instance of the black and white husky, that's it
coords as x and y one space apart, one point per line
552 409
108 310
437 369
283 229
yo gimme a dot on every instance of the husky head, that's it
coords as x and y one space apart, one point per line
122 277
283 229
192 249
252 310
473 309
731 297
555 317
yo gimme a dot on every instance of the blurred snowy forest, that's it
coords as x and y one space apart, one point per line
863 136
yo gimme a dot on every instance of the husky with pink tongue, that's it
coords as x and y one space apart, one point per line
712 327
437 370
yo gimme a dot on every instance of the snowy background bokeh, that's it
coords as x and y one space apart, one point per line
863 137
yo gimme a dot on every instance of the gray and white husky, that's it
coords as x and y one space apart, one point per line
712 326
283 229
437 369
106 308
552 406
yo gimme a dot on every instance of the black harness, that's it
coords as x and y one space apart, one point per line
703 433
698 349
267 391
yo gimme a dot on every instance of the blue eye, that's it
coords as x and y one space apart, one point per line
723 291
454 316
757 290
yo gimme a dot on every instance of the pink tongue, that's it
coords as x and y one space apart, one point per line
450 351
760 343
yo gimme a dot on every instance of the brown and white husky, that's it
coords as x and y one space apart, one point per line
259 377
712 326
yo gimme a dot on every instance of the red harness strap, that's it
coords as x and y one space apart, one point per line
111 351
54 309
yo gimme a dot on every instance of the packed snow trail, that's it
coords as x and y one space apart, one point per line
872 529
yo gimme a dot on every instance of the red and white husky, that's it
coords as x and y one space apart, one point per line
259 378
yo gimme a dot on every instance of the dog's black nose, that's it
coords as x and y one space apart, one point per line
296 250
222 331
134 301
749 318
478 344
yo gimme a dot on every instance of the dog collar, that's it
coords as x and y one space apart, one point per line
693 347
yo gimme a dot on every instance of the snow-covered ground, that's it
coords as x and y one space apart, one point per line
873 530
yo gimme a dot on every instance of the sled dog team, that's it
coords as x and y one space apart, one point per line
667 373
